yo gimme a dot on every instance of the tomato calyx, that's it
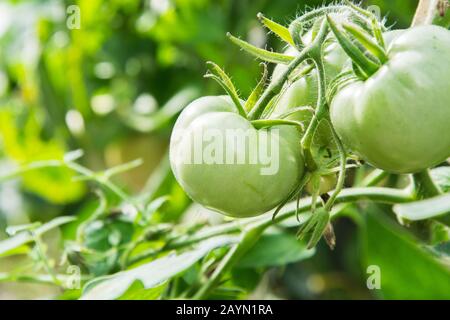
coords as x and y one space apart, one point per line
366 65
216 73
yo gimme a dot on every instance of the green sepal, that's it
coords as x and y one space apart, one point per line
259 89
224 80
281 31
365 40
316 226
378 32
357 56
259 53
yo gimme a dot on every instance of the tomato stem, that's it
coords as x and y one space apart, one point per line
296 29
248 239
350 195
424 186
264 123
321 110
275 87
256 227
341 176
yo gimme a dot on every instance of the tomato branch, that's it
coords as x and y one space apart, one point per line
254 230
350 195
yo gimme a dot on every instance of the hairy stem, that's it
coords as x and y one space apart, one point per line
351 195
275 87
254 231
341 177
320 113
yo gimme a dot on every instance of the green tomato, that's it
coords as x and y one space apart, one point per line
234 188
398 120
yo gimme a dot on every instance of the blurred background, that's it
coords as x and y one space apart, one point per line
110 81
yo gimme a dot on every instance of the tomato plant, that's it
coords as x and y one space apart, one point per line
327 176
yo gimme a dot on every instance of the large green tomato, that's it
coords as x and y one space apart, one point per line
399 119
205 134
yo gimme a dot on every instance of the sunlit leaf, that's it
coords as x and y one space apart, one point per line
406 270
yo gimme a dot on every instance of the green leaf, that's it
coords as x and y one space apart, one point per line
152 274
424 209
275 249
137 292
23 249
267 123
407 271
24 237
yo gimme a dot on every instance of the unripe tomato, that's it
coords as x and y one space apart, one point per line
399 118
237 190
